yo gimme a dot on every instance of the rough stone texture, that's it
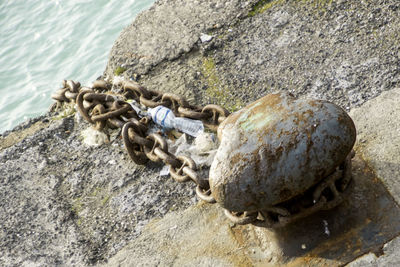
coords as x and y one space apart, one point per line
62 203
343 51
179 26
391 256
366 260
378 128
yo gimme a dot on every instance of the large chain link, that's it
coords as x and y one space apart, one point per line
112 110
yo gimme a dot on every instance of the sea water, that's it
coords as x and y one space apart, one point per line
43 42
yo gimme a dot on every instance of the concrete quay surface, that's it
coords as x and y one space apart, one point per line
63 203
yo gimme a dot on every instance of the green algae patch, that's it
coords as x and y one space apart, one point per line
320 6
263 5
119 70
216 91
105 200
88 204
317 3
77 205
66 110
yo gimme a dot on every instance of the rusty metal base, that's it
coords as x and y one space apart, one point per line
326 195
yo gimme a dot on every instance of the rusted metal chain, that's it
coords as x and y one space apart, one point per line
133 136
211 115
103 109
67 93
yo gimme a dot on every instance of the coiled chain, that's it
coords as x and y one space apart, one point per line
109 110
104 109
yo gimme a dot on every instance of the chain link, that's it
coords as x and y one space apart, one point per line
106 109
211 115
67 93
133 137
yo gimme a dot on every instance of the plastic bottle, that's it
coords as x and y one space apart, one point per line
165 117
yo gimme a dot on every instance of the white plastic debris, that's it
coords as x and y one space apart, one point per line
164 117
205 38
92 137
205 142
202 150
78 117
136 106
118 80
326 230
165 171
179 146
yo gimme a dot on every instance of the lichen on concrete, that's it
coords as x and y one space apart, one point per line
119 70
263 5
216 91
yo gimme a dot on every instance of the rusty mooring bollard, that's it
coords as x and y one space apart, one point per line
276 149
280 158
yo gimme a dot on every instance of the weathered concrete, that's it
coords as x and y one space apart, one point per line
62 203
378 127
343 51
169 29
390 257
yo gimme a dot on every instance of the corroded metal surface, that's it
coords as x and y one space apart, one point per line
277 148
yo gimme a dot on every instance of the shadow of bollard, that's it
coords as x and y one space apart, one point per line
367 219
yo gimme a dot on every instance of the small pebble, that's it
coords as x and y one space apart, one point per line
205 38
